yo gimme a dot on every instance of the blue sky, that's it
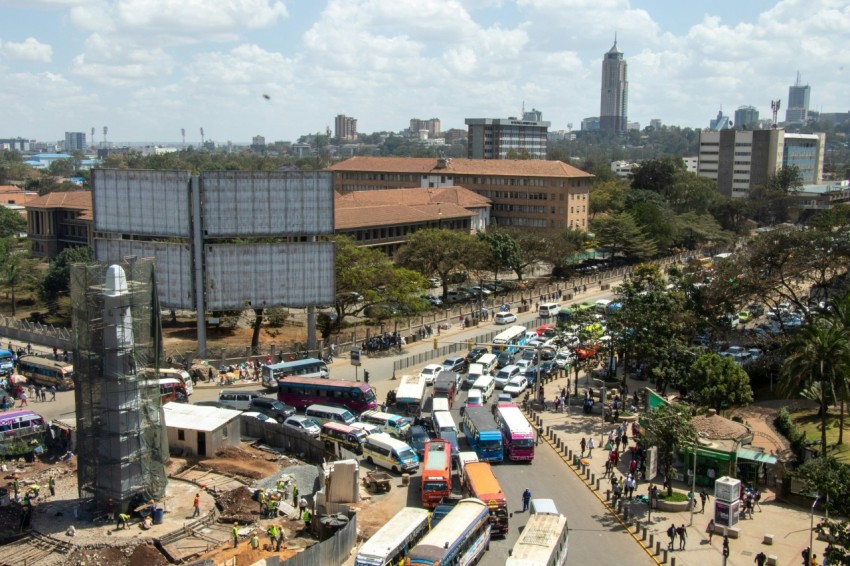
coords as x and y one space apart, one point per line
147 68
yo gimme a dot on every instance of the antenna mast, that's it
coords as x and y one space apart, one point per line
105 130
774 106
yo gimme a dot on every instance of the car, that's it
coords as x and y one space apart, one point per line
349 297
480 291
504 375
564 358
435 282
745 316
475 353
303 424
456 364
548 352
505 359
530 355
548 368
418 437
435 301
524 363
430 372
755 354
516 385
504 318
272 408
255 415
756 309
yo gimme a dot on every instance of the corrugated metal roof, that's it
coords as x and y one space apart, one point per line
197 417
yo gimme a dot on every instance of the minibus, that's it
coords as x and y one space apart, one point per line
328 414
383 450
486 384
393 425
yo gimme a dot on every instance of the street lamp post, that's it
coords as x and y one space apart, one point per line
812 530
693 495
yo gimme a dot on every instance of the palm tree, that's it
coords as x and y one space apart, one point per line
839 314
819 352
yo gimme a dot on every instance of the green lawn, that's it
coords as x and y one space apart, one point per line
810 423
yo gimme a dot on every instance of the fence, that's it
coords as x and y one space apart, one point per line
309 449
37 333
332 552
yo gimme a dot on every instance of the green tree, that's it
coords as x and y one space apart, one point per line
621 234
58 277
502 251
668 427
608 197
718 382
658 176
438 252
16 268
532 246
560 247
830 479
11 222
770 201
838 314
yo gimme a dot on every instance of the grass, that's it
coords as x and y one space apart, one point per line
809 422
675 497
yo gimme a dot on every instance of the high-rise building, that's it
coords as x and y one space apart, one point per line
797 111
590 123
497 138
655 123
746 118
741 159
722 122
75 141
432 126
345 127
613 113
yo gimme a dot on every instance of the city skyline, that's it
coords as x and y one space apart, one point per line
281 69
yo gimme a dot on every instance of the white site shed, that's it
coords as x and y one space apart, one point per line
200 430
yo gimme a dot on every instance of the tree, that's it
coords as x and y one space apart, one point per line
769 202
830 479
16 268
11 222
658 175
532 246
501 251
58 277
668 427
560 247
621 234
817 352
718 382
608 197
839 315
437 252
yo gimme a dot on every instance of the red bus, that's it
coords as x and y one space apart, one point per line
483 485
517 433
301 392
436 472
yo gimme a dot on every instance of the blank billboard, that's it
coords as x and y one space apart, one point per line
269 275
134 201
262 203
173 267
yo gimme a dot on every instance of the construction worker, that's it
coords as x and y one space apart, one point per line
272 532
272 508
307 516
235 532
51 483
280 483
15 486
295 495
261 499
255 541
279 540
123 519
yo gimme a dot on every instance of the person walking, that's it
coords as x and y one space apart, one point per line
53 392
196 506
583 445
110 510
295 495
710 530
235 532
307 516
756 499
703 497
590 446
272 532
24 399
255 540
526 499
261 500
683 535
671 532
760 559
43 394
279 538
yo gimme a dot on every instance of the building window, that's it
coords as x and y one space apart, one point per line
181 434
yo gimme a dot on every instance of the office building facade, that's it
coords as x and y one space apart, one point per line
496 138
432 126
75 141
746 118
797 111
613 112
345 127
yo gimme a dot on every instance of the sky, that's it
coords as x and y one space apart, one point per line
283 68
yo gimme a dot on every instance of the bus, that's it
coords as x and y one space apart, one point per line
543 542
410 395
180 374
517 433
15 423
394 540
172 389
510 339
348 437
436 472
479 481
42 371
301 392
461 537
483 434
7 362
309 367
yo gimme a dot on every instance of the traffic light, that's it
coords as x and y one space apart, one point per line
435 343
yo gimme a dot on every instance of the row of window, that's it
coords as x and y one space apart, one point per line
366 235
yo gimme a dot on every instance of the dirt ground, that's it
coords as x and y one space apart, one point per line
184 336
243 461
142 555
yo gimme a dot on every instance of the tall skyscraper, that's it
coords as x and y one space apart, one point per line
797 111
345 127
746 118
613 114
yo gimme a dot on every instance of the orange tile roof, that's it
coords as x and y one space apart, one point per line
457 166
389 207
77 200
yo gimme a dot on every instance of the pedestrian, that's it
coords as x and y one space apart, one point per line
295 495
53 392
609 465
671 532
760 559
756 499
625 439
51 483
526 499
15 486
44 394
539 434
710 530
235 532
255 540
703 496
279 538
272 532
24 399
196 505
123 518
683 535
271 505
583 445
590 446
110 510
261 500
307 516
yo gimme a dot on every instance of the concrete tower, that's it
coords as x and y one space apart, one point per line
613 113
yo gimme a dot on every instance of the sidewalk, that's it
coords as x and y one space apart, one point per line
789 525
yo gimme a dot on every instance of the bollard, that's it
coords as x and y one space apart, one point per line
607 495
657 548
598 481
587 472
643 533
673 561
569 453
651 539
549 431
626 516
664 556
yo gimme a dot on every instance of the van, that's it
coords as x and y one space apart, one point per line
393 425
505 374
346 436
602 305
328 414
442 421
237 399
475 371
487 385
439 404
446 387
488 362
383 450
475 398
543 507
549 309
366 427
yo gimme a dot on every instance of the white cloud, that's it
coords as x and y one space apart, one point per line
115 65
31 50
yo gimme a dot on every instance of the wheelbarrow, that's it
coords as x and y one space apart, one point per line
377 481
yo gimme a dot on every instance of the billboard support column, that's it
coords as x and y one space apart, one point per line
198 264
311 328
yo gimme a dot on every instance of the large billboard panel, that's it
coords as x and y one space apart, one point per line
262 203
134 201
269 275
173 267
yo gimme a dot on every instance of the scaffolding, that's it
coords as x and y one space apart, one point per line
121 441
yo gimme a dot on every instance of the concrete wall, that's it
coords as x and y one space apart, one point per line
226 435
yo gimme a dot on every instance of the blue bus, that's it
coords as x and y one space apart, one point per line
309 367
483 434
508 340
461 537
7 362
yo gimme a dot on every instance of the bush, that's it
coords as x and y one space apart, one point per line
785 425
675 497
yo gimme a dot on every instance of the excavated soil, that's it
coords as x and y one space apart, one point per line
237 505
243 461
141 555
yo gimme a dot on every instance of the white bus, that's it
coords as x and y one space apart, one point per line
410 395
395 539
508 340
461 537
543 542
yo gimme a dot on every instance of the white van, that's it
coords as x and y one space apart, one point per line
327 414
237 399
549 309
488 362
439 404
475 371
383 450
486 384
543 507
602 305
443 421
394 425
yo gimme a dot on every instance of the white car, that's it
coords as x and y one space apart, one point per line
430 373
516 385
504 318
563 358
523 365
504 375
304 424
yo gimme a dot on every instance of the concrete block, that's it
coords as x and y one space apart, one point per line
768 539
772 560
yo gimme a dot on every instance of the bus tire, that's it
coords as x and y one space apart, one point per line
369 459
280 419
396 470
